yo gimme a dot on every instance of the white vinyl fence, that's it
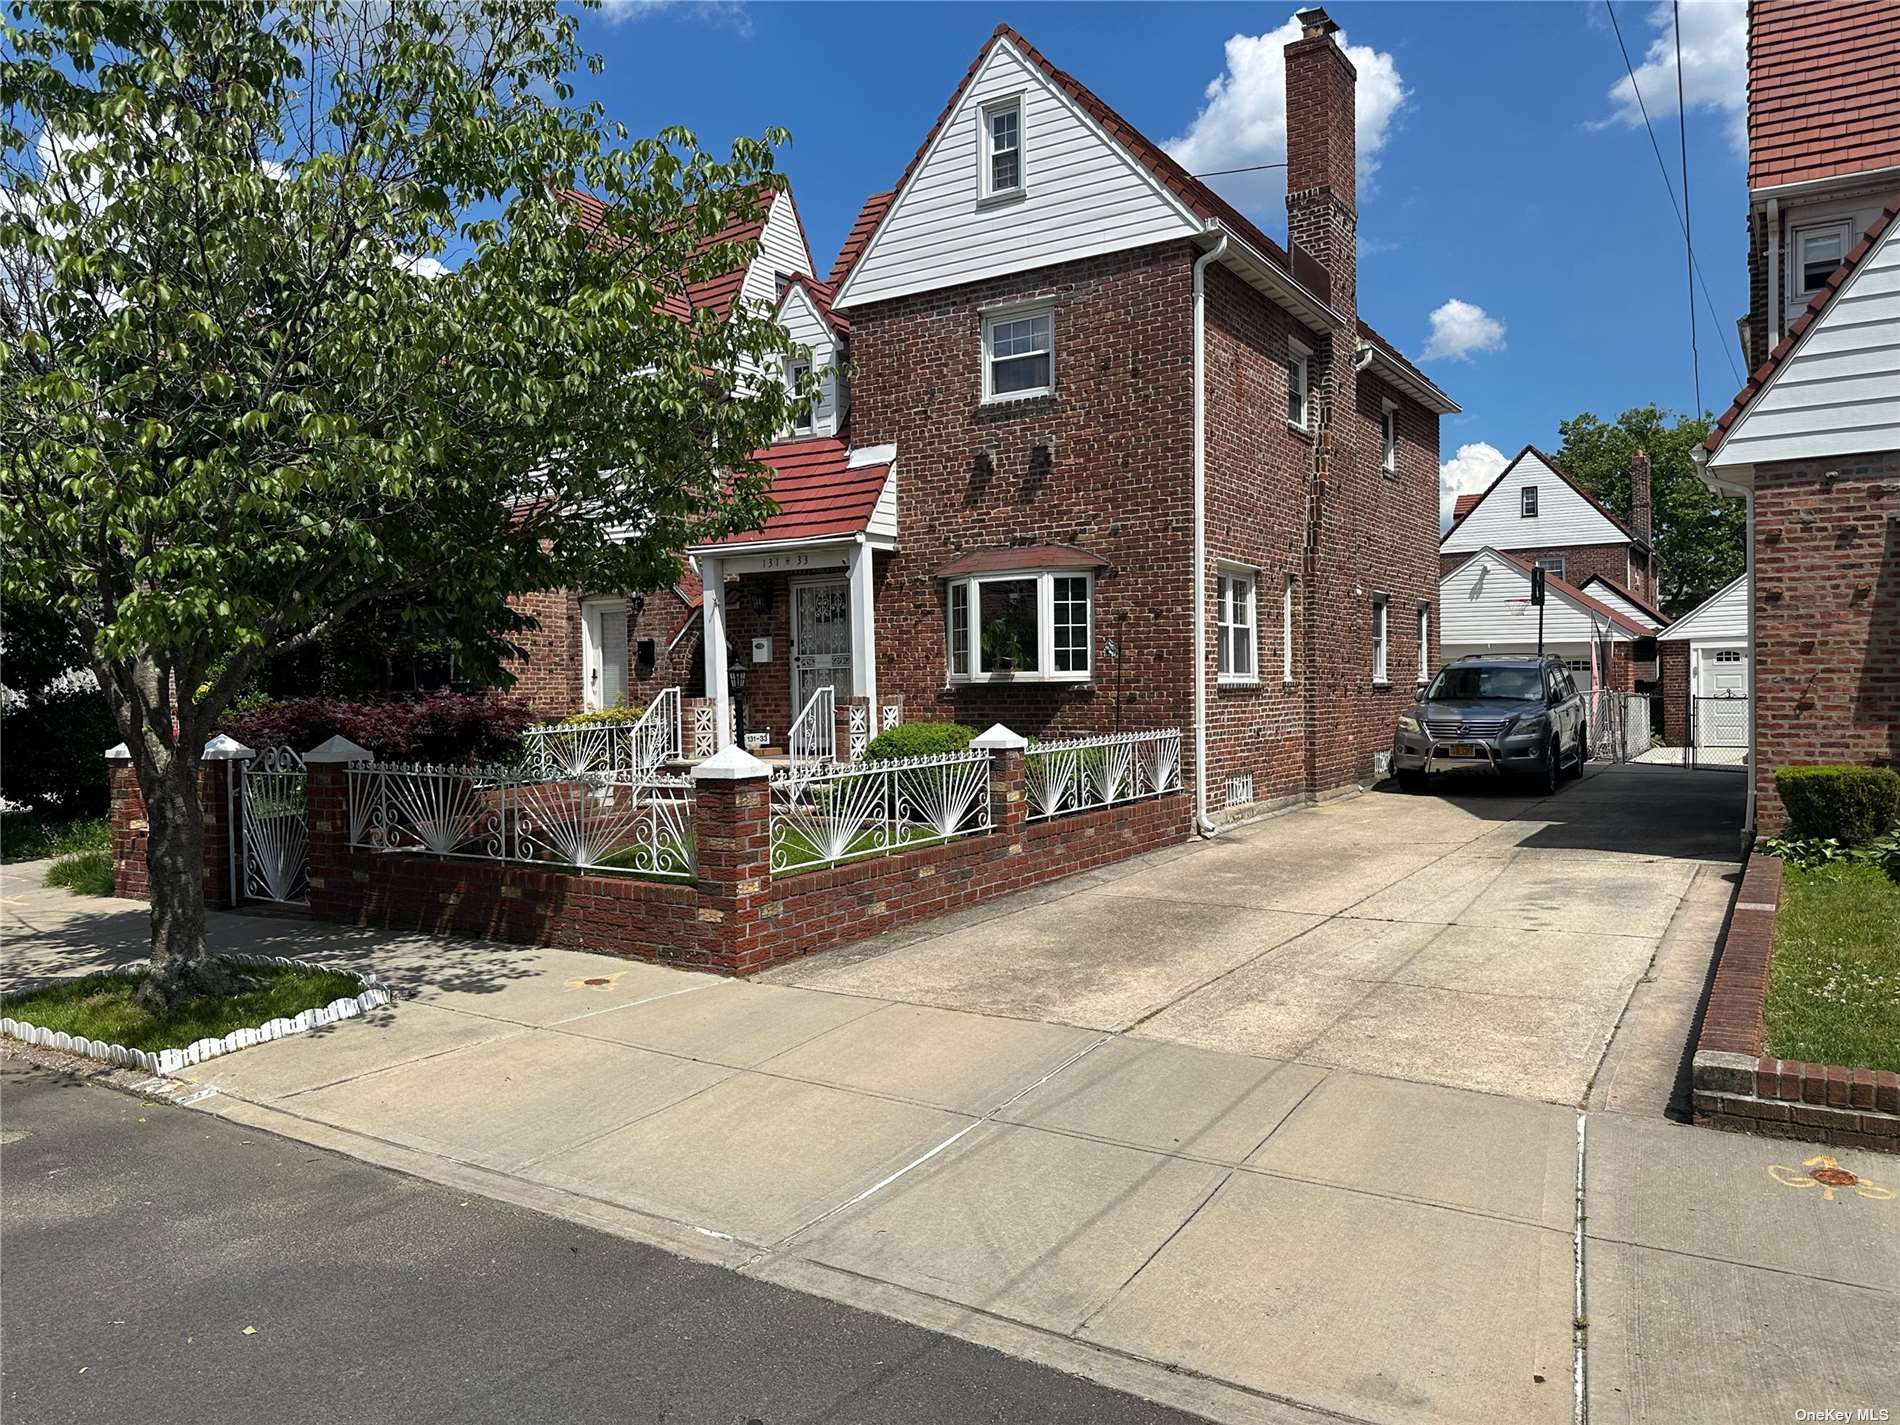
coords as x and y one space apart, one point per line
825 815
1080 773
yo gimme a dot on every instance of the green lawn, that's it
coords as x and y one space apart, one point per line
100 1007
1834 987
27 836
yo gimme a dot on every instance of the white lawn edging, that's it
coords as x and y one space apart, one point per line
170 1061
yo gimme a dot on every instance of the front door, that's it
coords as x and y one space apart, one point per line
604 660
821 640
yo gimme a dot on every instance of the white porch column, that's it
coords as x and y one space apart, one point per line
712 579
863 629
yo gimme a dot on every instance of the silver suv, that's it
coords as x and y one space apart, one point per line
1495 713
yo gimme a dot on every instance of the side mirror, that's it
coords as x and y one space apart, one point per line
1418 693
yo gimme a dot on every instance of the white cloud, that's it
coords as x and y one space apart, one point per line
1244 119
730 13
1714 66
1469 471
1460 328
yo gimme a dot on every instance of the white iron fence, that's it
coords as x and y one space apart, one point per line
272 803
1079 773
625 753
814 735
828 814
590 822
1619 724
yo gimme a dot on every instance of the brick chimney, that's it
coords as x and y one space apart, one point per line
1640 517
1321 154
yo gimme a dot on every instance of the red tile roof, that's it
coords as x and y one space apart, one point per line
1020 556
715 293
1460 509
1551 581
1823 89
1759 377
1201 200
818 491
1464 504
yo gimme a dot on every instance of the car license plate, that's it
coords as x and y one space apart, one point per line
1462 749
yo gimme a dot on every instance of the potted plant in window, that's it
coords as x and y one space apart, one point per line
1003 643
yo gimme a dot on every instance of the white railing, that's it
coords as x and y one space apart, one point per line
824 815
1079 773
814 735
589 822
626 753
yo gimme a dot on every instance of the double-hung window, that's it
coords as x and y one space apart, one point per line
1381 607
1019 354
1032 626
1389 438
1552 565
1817 252
1235 658
1424 643
1298 360
1002 149
804 416
1527 502
1286 630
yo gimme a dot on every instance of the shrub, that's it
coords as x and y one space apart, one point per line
25 836
918 739
1853 805
609 716
435 727
88 873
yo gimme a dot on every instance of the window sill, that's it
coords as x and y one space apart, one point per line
1227 681
1002 408
1002 200
1382 685
1012 680
1304 432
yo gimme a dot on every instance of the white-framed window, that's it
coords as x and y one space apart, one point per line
1002 149
1552 564
1019 354
1298 362
1424 642
1235 659
1527 502
1728 655
1287 600
1389 437
1027 626
804 417
1816 251
1381 609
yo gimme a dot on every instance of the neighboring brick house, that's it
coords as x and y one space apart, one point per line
1813 439
1536 511
1088 396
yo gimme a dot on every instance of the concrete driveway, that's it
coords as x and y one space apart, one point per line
1484 940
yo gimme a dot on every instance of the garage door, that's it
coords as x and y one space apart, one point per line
1580 673
1724 673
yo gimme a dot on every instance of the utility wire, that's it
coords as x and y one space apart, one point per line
1223 172
1688 245
1663 168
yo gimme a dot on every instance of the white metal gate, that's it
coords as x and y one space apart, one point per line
821 640
276 831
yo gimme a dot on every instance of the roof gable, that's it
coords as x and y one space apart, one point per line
1486 600
1086 190
1831 386
1567 514
1610 592
1724 614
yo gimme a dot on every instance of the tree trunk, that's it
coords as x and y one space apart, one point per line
182 967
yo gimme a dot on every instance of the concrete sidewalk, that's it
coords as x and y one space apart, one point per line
1249 1238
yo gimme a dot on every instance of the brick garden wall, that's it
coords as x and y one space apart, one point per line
131 840
1827 617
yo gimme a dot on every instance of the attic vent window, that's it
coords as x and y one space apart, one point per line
1003 149
1528 502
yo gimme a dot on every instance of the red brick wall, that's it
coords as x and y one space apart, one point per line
1674 660
1581 562
549 674
131 840
1827 617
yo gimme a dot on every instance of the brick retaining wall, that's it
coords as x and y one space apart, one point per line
1736 1086
131 834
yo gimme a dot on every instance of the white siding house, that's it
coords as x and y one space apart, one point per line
1484 606
1601 590
1717 635
968 210
1531 506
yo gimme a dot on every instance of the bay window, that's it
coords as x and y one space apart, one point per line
1020 626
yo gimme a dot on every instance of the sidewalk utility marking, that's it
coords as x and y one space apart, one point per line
1830 1177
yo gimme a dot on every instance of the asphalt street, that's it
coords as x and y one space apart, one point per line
164 1265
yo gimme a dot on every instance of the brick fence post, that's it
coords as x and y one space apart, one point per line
732 834
220 785
327 813
854 730
131 877
1009 785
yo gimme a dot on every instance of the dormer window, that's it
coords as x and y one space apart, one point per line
1002 144
1527 502
1817 252
804 417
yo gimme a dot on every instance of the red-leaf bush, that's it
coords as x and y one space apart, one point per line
432 727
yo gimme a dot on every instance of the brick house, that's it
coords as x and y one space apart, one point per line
1110 456
1812 441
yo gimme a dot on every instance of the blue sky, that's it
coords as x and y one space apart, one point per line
1512 177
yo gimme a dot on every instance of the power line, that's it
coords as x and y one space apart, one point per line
1223 172
1663 168
1688 245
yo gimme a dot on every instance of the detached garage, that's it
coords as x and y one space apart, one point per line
1484 606
1707 672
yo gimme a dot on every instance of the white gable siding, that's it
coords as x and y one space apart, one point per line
883 521
1604 594
1084 195
1486 602
1838 392
1563 516
1722 616
807 329
781 249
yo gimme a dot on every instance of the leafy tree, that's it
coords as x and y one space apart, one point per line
1698 535
242 397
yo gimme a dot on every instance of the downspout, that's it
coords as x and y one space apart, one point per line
1755 358
1202 823
1700 458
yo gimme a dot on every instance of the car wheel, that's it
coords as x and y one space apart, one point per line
1550 776
1583 752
